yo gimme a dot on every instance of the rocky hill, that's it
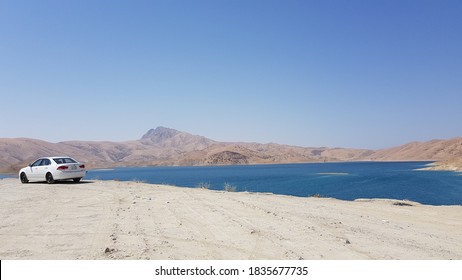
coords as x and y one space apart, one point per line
438 150
171 138
165 146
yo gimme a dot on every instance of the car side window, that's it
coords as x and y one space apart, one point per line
45 162
37 162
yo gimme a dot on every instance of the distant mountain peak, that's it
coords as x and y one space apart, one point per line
160 134
173 139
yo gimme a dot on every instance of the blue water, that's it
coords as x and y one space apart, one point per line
3 176
397 180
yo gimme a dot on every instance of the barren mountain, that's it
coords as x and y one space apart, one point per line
165 146
171 138
435 150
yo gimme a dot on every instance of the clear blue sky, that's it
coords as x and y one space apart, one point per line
369 74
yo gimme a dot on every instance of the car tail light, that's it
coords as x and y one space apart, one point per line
63 167
82 166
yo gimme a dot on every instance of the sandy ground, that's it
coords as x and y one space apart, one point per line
129 220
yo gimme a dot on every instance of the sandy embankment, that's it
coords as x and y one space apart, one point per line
450 165
128 220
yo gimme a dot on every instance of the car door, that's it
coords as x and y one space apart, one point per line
42 169
34 170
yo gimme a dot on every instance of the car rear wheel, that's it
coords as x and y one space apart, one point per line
49 178
76 180
23 178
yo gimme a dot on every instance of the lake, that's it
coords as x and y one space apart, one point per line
346 180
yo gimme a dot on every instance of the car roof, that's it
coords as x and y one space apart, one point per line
60 157
53 157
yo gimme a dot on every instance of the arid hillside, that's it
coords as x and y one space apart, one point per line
165 146
438 150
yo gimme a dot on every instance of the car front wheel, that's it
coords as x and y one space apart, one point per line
76 180
23 178
50 179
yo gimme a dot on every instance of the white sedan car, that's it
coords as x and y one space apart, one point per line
51 169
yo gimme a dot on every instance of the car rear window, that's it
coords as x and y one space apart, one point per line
64 160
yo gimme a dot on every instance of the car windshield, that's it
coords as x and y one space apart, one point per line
64 160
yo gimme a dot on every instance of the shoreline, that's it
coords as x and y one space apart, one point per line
9 170
131 220
317 195
452 166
